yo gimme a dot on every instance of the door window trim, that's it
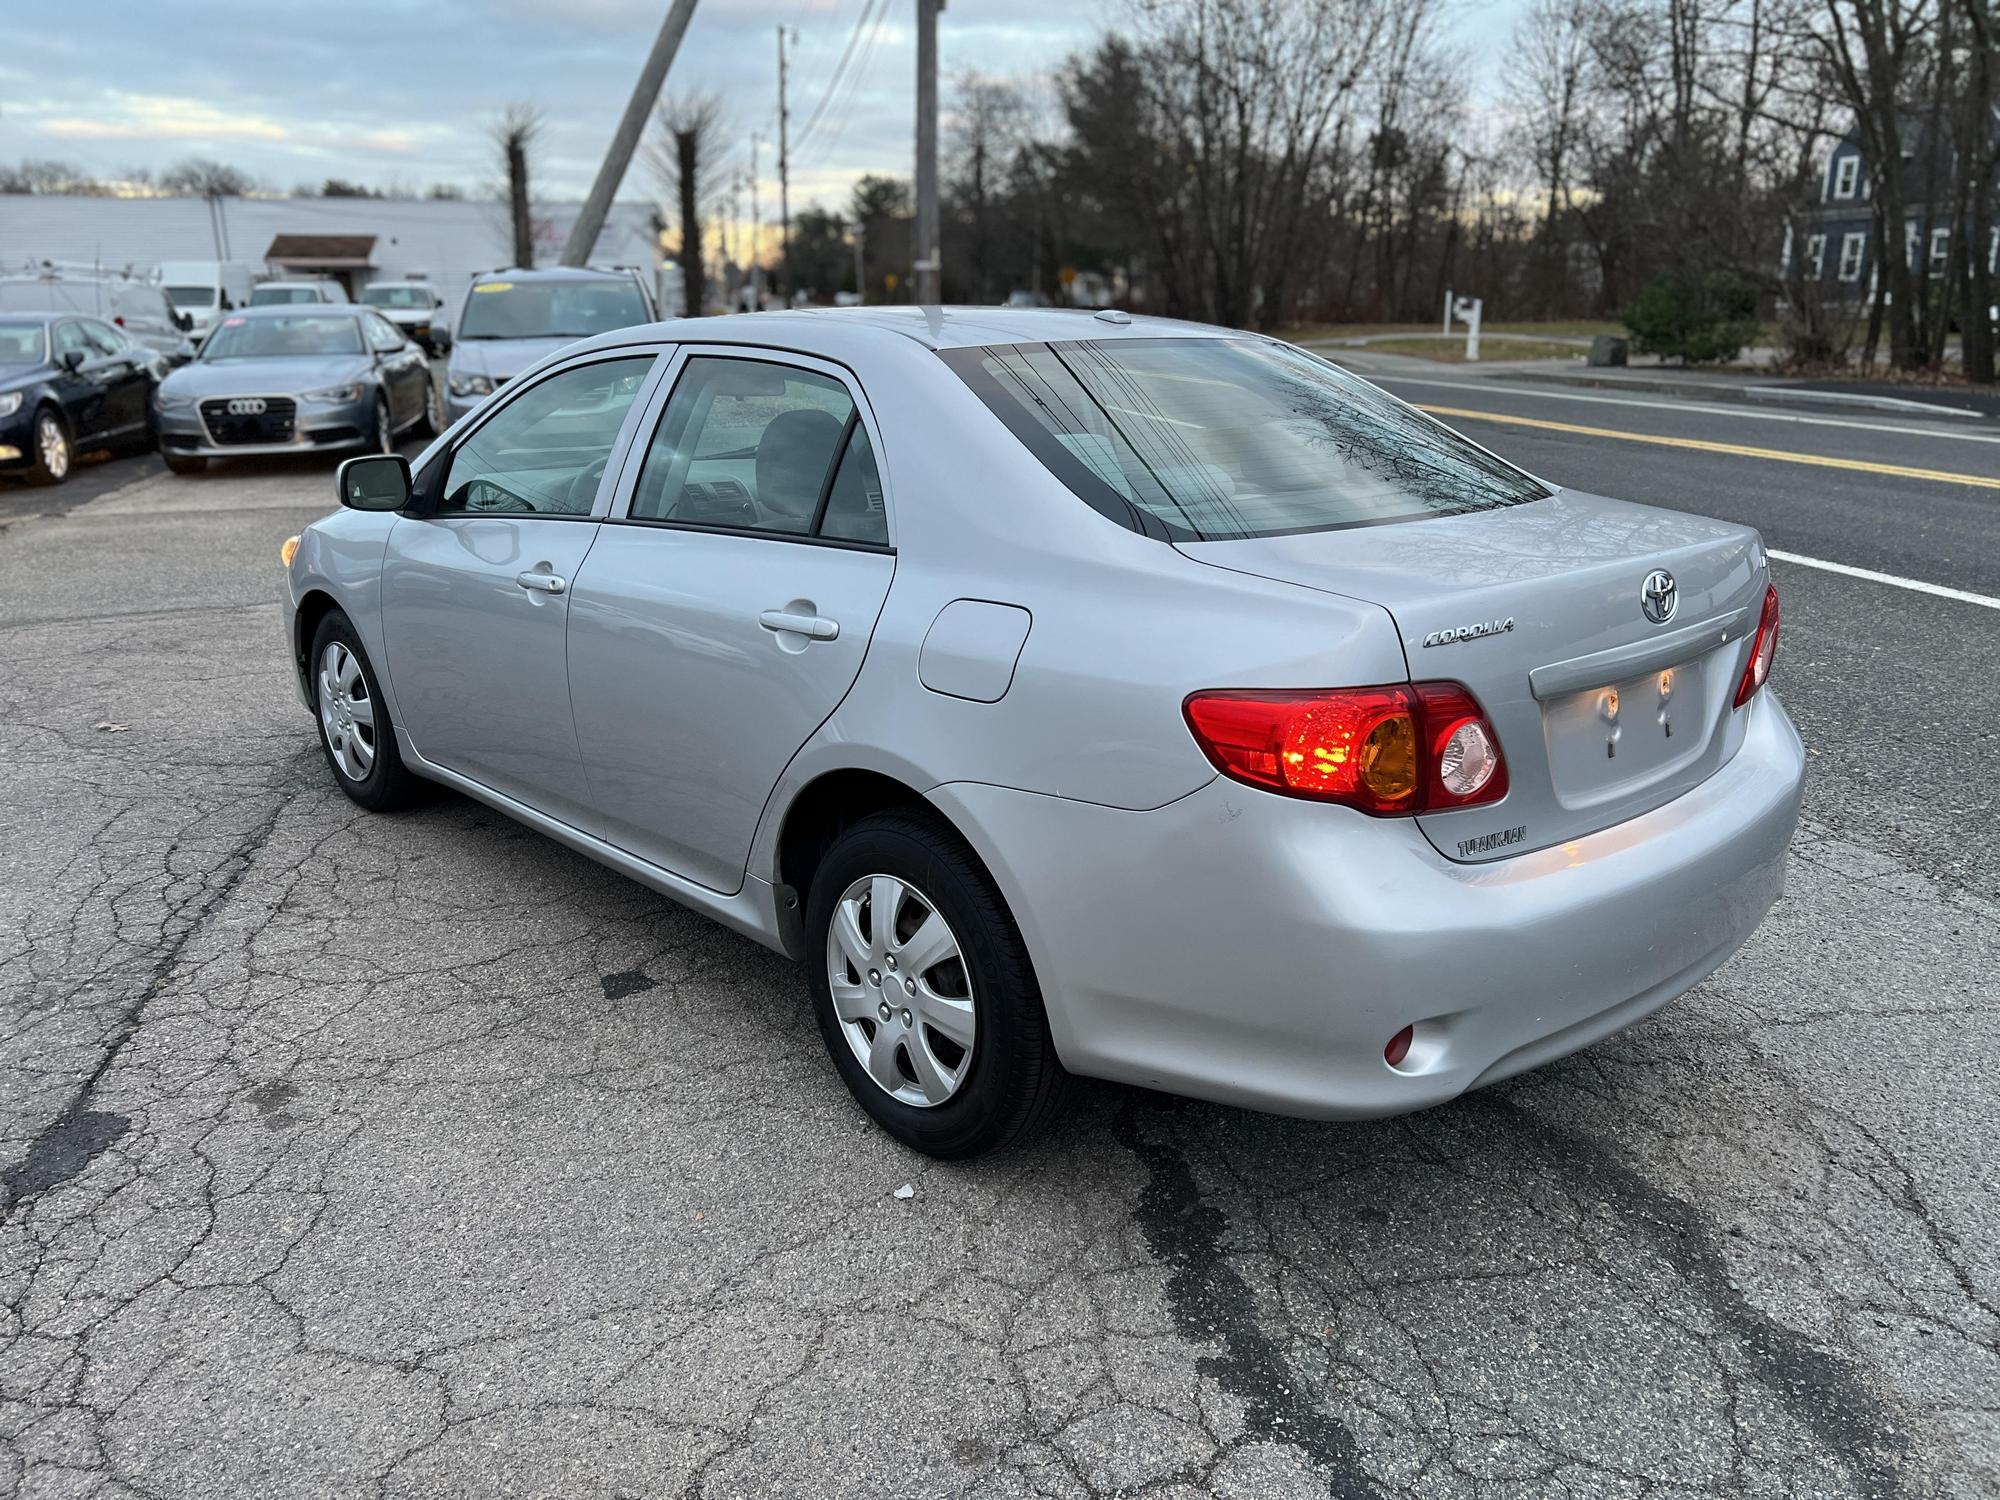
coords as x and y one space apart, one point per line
656 411
608 483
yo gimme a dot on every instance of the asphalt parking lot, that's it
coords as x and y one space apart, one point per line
358 1156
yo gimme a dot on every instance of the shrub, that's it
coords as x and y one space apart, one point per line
1696 319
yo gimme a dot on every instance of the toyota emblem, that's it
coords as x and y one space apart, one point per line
1658 597
254 406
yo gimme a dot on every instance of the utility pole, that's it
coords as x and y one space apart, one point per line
597 207
860 272
925 250
784 169
756 233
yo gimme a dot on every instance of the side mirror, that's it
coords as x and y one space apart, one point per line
183 321
71 360
374 481
441 333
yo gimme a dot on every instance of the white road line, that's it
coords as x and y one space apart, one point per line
1701 408
1984 601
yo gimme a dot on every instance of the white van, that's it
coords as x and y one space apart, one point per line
206 289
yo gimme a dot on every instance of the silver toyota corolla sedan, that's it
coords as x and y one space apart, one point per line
1075 694
295 379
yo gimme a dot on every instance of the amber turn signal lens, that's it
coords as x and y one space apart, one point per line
1389 758
287 550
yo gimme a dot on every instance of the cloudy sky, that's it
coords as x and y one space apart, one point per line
397 92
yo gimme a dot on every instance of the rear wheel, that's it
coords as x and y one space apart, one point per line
50 461
433 419
925 994
354 728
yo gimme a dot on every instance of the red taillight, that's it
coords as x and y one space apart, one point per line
1762 650
1403 748
119 321
1399 1047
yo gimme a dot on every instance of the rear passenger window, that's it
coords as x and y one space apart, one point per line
854 510
745 444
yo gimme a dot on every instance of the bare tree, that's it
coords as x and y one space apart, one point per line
200 177
982 133
1550 79
688 162
514 132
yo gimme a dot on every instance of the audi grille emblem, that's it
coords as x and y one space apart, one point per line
1658 597
254 406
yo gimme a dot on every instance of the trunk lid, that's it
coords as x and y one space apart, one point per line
1603 712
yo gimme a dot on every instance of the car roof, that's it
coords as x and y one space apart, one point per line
551 273
303 309
42 315
832 330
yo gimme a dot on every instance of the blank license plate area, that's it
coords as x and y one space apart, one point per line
1607 741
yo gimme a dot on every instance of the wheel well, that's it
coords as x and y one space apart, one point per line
316 606
818 815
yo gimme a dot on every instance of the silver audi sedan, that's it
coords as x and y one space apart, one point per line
294 378
1074 694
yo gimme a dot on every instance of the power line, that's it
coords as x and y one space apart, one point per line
849 71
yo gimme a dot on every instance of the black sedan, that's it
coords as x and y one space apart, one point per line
69 385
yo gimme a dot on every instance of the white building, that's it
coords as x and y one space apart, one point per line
355 240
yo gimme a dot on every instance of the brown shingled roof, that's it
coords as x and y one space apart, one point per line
321 249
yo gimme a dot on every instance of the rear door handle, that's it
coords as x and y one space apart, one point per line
542 583
814 627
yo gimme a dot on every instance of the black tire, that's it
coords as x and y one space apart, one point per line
387 784
41 470
183 463
431 423
1016 1084
384 435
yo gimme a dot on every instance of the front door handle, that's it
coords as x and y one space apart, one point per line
814 627
542 583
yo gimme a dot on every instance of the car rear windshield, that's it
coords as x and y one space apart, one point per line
21 343
283 337
191 296
500 309
397 296
1214 439
280 296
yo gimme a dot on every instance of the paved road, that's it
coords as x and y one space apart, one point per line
355 1156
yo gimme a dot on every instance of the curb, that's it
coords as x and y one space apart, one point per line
1777 395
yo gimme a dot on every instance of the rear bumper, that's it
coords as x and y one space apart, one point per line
1260 951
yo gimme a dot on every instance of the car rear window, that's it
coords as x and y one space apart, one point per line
1213 439
400 297
284 337
569 309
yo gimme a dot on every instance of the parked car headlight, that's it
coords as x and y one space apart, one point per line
168 400
471 385
10 403
349 392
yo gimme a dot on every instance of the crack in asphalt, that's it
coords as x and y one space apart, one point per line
1211 1301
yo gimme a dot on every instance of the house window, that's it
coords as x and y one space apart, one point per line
1940 250
1853 246
1846 174
1816 255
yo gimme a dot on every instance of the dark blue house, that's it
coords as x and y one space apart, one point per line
1838 249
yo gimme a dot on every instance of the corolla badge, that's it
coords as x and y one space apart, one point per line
1469 632
1658 597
